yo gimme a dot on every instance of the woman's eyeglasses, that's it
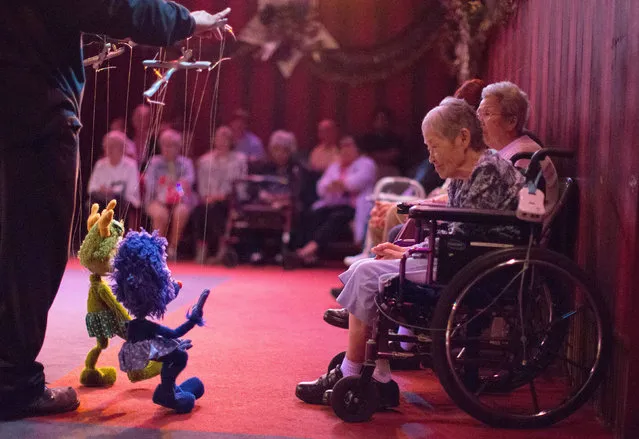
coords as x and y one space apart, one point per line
484 114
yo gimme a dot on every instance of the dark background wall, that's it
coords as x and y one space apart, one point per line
579 62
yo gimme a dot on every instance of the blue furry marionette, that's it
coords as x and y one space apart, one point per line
143 284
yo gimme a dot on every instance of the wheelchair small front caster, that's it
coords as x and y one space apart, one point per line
230 258
354 401
337 359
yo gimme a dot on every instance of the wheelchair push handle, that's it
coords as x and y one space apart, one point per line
535 161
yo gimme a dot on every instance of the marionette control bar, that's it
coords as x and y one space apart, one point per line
108 51
182 63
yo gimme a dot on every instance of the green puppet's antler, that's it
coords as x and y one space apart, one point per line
103 220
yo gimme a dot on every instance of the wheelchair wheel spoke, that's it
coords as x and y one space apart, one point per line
571 362
482 388
533 393
561 319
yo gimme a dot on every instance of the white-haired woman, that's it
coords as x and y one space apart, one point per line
280 162
168 186
482 180
503 113
217 170
115 176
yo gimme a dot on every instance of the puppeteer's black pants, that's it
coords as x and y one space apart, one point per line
37 189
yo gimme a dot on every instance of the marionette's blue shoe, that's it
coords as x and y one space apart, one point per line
180 401
193 386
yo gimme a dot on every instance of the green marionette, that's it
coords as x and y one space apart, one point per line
105 315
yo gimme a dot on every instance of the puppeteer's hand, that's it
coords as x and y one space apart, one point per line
206 24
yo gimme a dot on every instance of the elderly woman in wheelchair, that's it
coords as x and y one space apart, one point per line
483 313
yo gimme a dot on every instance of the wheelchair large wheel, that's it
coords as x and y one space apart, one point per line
520 339
354 401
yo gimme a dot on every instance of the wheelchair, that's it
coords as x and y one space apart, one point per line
517 333
259 205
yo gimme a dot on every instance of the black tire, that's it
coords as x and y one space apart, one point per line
230 258
459 289
354 401
337 359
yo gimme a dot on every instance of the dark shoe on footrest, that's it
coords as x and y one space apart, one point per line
51 402
407 363
337 317
388 395
312 392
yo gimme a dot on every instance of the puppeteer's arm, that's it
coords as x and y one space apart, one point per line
152 22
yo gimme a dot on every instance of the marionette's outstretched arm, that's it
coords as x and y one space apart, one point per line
194 317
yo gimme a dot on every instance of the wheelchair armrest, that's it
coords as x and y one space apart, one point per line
454 214
404 207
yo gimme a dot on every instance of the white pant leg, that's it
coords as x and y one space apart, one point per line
363 283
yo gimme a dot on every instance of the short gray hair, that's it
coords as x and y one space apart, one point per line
513 101
450 117
170 135
283 138
116 136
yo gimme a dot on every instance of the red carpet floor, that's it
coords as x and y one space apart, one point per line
264 334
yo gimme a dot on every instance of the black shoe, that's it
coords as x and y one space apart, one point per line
312 392
335 292
51 402
388 395
337 317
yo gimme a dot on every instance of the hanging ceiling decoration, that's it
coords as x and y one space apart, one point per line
286 31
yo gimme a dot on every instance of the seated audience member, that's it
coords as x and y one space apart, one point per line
343 196
326 151
245 141
481 179
503 114
280 159
142 138
281 162
118 124
216 172
168 193
115 176
383 145
384 216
